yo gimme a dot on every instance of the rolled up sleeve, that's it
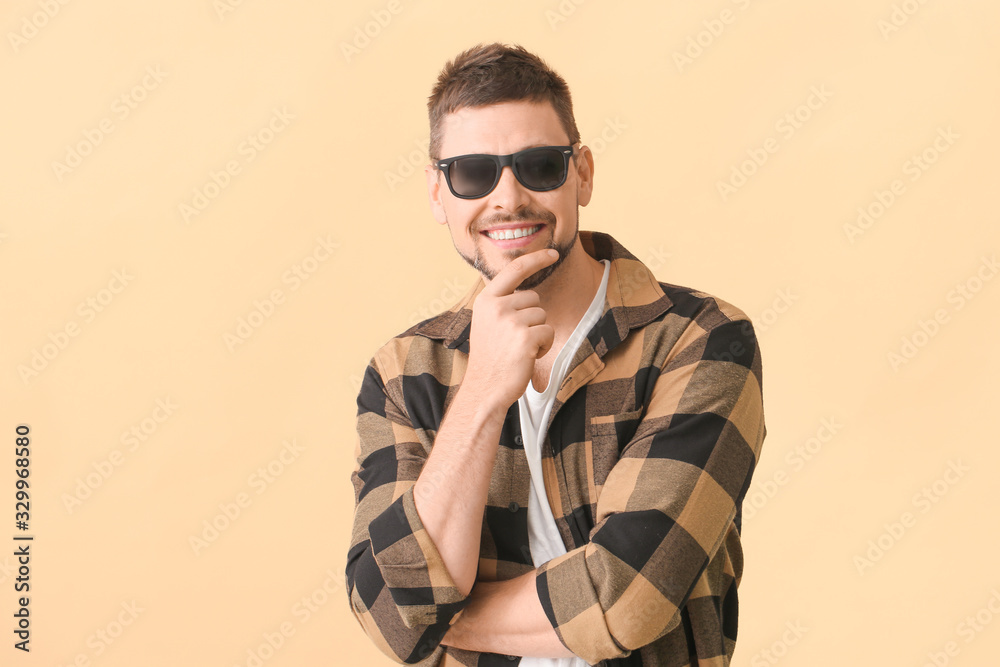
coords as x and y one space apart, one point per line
668 503
400 590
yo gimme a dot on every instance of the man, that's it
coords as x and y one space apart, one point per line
553 468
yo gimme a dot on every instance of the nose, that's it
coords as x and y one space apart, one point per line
509 194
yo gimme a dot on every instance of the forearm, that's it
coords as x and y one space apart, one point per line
506 617
450 493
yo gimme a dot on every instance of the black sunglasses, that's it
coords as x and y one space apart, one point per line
475 175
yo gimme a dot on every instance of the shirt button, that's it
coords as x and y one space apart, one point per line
511 657
513 507
518 440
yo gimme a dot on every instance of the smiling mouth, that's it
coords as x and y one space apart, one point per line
508 234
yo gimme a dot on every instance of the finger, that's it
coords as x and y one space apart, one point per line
530 317
544 336
519 300
512 275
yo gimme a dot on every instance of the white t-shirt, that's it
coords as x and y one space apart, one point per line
543 536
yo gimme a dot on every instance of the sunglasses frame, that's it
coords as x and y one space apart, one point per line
505 161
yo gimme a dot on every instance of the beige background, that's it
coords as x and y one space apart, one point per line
169 288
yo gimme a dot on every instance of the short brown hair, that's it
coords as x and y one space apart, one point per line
495 73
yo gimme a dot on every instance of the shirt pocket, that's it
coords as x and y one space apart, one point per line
609 435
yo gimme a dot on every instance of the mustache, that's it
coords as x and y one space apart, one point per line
484 223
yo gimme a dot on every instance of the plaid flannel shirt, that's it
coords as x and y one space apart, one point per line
649 452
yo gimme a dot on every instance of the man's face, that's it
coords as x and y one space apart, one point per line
551 217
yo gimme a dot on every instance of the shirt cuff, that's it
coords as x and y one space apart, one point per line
574 610
412 567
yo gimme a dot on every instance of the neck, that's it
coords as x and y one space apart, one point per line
567 293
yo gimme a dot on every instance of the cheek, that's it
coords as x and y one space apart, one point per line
565 216
460 220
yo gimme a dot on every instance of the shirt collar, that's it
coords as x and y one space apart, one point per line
634 299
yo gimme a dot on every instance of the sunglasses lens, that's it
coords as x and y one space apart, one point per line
472 176
542 169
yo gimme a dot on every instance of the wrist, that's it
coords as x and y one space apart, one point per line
482 402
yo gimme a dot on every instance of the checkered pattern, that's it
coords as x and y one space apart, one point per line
650 448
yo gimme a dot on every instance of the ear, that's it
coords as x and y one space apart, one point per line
434 193
584 160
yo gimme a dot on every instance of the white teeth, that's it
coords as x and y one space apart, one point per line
505 234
